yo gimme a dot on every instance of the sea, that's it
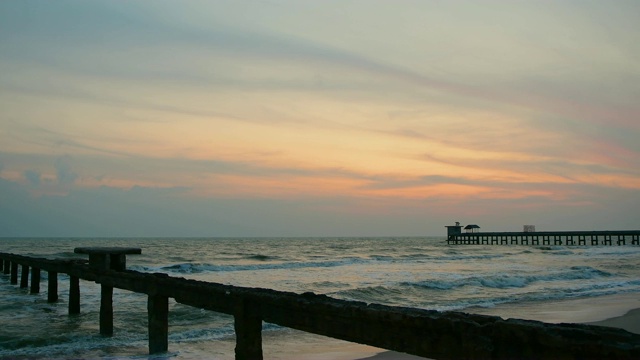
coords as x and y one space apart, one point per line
419 272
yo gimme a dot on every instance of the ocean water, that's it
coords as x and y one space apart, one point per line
416 272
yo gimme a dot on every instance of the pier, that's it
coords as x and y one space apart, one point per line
568 238
529 236
427 333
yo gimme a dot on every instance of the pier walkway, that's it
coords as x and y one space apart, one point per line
619 237
427 333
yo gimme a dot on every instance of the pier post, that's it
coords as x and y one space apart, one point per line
582 240
107 259
503 240
607 240
570 240
594 239
621 240
74 295
52 290
158 314
106 310
535 240
524 240
6 268
635 240
14 273
35 280
514 239
24 279
546 240
248 326
557 240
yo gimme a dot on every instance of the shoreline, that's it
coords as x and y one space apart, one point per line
580 310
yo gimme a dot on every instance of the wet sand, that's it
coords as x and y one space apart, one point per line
629 321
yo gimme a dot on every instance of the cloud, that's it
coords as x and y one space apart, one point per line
64 174
386 109
33 177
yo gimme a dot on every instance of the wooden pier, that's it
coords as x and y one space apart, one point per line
433 334
558 238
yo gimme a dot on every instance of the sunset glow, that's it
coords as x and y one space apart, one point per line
500 113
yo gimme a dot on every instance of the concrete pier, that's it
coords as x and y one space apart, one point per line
52 288
248 327
158 315
425 333
105 259
74 295
14 273
24 279
557 238
35 280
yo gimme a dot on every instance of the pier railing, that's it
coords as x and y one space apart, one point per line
433 334
568 238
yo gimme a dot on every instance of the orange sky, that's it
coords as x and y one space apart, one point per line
394 118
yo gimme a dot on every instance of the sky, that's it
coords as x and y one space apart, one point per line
317 118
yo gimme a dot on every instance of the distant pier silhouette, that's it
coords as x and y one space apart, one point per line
455 236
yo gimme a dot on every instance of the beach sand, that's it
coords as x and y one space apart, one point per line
629 321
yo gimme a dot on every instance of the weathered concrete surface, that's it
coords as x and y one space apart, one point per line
104 258
158 317
420 332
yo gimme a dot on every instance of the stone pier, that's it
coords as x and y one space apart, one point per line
426 333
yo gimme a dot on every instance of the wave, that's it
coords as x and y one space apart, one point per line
397 295
271 263
504 281
261 257
193 268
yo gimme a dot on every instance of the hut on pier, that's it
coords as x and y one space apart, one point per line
454 229
471 228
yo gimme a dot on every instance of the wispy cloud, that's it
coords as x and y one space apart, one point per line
419 109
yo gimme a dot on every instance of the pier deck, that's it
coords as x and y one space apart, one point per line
620 237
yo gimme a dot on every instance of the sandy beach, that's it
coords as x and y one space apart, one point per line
629 321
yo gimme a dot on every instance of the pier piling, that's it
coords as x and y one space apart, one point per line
52 289
35 280
74 295
24 279
557 238
582 240
6 268
106 310
248 327
105 259
14 273
158 314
